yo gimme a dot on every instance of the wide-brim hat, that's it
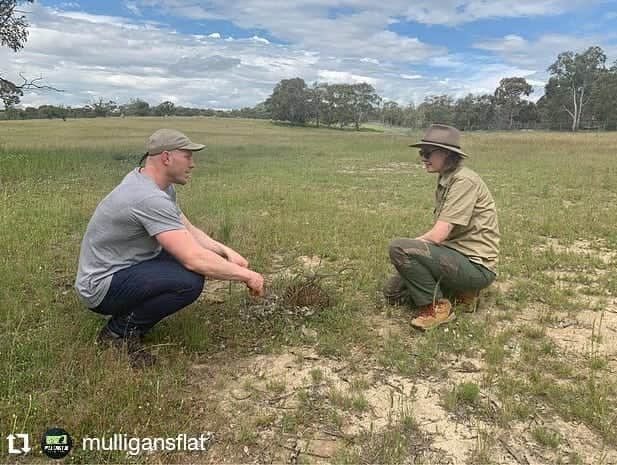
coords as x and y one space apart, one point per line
168 140
444 136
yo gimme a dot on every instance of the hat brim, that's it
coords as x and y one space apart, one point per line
193 147
443 146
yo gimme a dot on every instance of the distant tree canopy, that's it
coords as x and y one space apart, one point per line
289 101
13 34
508 95
328 104
136 107
575 78
13 24
581 93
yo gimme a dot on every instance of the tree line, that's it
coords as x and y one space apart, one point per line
102 108
328 104
581 93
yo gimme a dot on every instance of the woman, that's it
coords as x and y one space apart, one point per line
458 256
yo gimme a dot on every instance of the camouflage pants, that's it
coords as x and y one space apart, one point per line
427 271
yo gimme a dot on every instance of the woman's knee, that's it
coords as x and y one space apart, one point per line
401 249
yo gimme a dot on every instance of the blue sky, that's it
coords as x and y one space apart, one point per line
230 53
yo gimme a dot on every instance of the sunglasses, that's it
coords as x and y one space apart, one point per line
427 153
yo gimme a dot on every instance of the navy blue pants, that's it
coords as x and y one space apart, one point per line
142 295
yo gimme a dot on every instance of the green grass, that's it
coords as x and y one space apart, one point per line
546 437
400 439
272 191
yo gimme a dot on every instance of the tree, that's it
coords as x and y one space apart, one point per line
166 108
13 24
289 101
9 93
437 109
102 108
340 97
392 114
326 106
412 117
572 79
508 95
315 96
364 99
603 99
527 115
474 112
13 34
136 107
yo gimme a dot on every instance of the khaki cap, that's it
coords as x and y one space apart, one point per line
168 140
444 136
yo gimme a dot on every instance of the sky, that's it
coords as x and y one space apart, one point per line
227 54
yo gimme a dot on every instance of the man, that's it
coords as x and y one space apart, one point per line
141 259
458 256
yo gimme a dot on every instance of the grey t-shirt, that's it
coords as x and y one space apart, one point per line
121 233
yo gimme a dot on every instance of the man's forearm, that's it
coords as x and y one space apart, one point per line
207 242
210 264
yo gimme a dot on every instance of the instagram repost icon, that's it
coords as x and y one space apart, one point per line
56 443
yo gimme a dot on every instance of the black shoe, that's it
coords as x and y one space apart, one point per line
138 355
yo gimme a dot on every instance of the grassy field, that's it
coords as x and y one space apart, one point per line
529 378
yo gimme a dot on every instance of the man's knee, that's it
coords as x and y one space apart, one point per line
401 249
192 286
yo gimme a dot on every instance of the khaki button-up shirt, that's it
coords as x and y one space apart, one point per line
463 200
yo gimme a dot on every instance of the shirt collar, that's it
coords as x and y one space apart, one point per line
445 179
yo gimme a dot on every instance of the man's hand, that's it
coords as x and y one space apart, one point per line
235 257
256 284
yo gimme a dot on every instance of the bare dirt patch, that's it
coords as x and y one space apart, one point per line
274 388
311 263
574 439
392 167
596 248
591 333
298 406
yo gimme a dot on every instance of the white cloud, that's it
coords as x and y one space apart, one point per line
540 53
370 60
410 77
118 58
268 14
90 56
362 34
343 77
260 40
133 8
453 12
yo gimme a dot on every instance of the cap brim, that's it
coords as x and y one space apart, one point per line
443 146
193 147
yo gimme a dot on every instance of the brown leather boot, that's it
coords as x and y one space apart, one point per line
432 316
468 301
